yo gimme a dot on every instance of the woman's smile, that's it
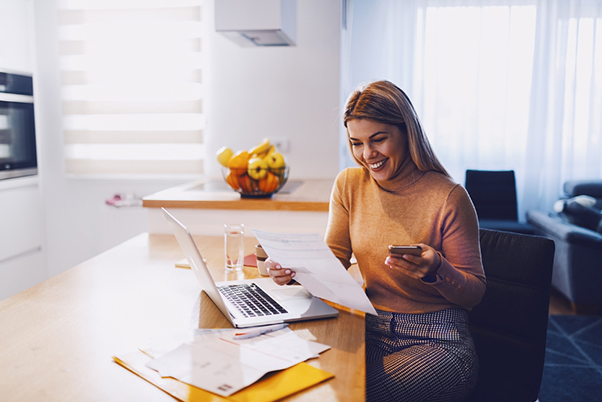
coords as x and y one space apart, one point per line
377 165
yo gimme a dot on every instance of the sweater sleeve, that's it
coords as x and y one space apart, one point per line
337 231
460 277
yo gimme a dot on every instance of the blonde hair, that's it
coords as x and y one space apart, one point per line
384 102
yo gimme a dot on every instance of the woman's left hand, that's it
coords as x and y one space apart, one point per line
418 267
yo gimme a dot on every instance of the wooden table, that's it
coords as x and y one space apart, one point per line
57 338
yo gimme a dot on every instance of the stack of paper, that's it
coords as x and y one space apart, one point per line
214 361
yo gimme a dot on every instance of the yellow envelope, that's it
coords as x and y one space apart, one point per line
271 387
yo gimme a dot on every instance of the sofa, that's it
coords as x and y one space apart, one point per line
576 228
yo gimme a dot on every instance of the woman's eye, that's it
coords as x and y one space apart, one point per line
355 144
378 140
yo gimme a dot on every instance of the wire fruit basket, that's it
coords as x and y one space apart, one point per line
263 184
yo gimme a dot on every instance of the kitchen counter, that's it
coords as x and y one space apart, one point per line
296 195
204 206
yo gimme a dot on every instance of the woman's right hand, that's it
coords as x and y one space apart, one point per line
280 275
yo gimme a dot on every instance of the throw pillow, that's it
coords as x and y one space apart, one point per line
581 212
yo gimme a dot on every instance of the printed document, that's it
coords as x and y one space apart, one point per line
216 362
316 267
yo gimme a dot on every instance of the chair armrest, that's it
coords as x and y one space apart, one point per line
553 226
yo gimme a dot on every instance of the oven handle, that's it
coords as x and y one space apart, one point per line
5 97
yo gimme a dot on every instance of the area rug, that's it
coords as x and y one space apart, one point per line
573 364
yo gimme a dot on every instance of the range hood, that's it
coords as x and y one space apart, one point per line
257 22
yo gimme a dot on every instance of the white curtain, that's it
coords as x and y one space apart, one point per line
498 84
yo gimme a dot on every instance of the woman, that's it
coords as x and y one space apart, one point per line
419 347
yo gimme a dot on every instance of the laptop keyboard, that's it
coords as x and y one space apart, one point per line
251 300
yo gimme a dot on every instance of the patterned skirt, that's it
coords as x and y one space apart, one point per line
420 357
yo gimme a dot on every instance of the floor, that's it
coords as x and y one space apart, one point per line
560 305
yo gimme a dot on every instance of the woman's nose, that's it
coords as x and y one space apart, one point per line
368 152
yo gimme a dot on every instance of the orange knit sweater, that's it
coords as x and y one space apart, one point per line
415 207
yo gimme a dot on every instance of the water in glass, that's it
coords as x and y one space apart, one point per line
234 246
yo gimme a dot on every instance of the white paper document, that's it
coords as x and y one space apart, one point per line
316 267
216 362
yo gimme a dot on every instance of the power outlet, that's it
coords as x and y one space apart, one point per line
281 144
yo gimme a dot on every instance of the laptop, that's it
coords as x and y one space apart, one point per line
250 302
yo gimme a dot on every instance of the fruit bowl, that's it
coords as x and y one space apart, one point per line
266 182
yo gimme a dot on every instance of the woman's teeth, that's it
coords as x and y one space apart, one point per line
377 164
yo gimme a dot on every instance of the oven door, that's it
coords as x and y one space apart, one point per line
17 137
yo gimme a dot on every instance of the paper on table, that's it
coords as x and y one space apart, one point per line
217 363
316 267
272 387
160 346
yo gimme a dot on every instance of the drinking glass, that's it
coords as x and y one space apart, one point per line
234 246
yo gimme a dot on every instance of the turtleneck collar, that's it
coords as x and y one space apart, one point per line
407 174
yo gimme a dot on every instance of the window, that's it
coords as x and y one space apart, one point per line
498 84
581 129
474 66
131 80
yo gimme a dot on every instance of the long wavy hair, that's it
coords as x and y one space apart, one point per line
384 102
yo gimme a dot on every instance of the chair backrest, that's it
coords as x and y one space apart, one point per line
509 326
493 193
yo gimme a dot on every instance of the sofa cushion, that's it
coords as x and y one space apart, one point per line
586 187
552 225
580 215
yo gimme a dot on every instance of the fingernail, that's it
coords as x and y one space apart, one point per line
288 271
278 266
293 275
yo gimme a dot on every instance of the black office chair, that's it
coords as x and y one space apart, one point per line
493 193
509 325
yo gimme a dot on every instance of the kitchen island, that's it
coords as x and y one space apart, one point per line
205 206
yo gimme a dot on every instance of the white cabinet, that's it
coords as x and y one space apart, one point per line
21 272
20 217
16 35
21 235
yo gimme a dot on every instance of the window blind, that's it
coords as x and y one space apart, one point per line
131 87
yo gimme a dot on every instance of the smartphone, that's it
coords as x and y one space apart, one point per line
401 250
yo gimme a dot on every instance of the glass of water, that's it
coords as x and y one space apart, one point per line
234 246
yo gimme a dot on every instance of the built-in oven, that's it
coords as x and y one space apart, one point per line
18 156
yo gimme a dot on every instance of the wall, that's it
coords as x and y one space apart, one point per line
252 93
286 92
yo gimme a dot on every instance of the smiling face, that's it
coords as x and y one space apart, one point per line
381 148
